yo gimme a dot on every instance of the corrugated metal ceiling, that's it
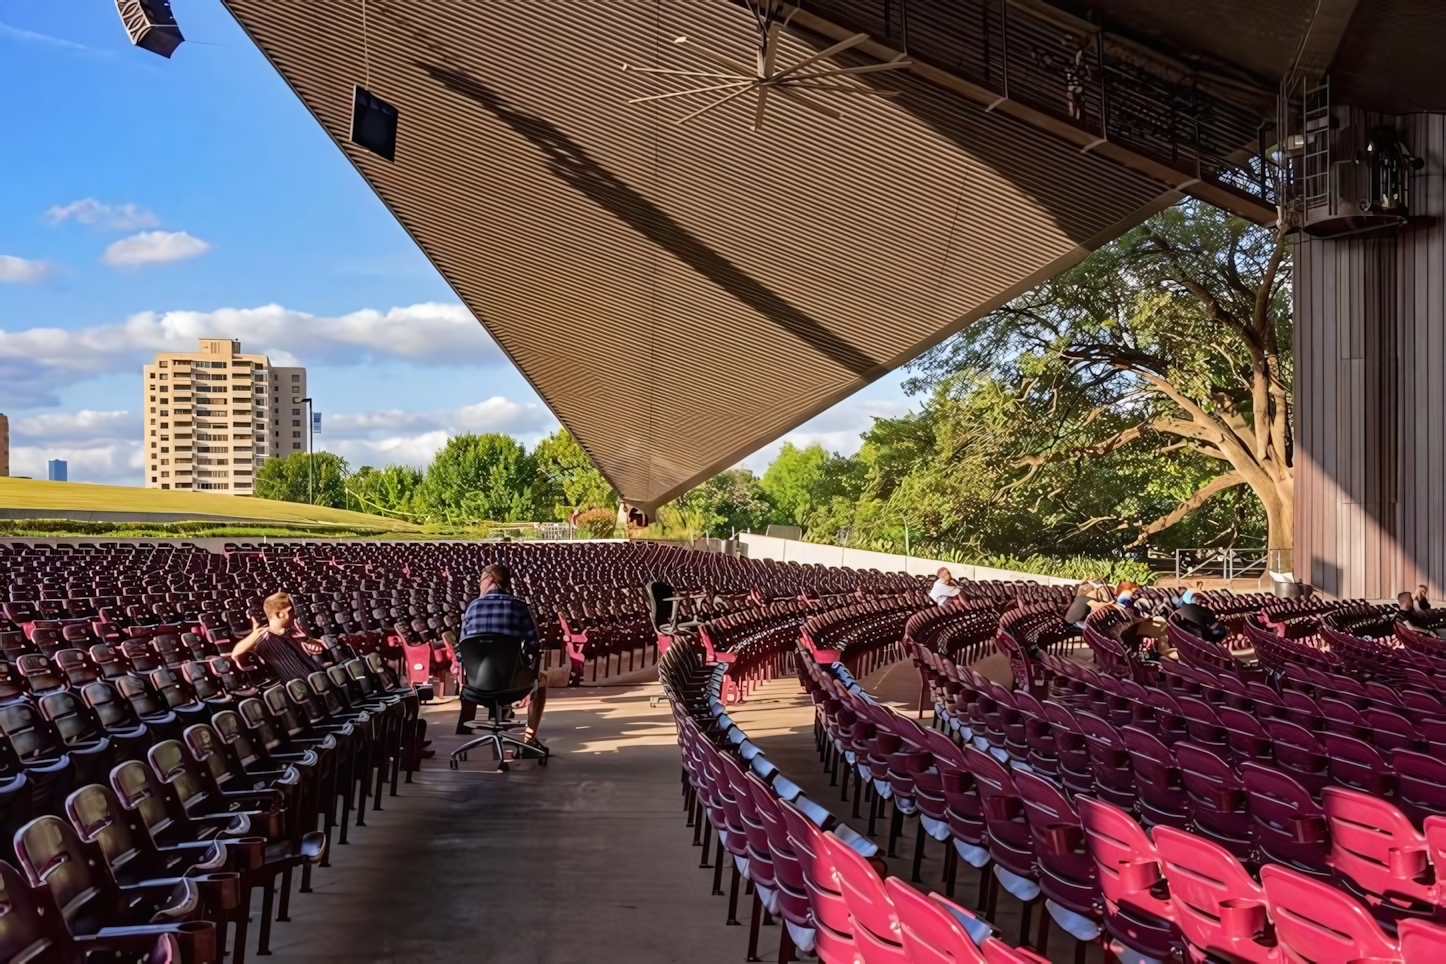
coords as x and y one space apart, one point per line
683 295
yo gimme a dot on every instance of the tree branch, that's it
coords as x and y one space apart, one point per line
1205 493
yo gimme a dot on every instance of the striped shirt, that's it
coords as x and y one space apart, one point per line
285 655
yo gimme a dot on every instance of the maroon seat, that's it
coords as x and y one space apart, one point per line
1299 755
1286 823
1067 874
1356 764
1162 795
1114 777
1138 912
1218 907
1217 797
1420 784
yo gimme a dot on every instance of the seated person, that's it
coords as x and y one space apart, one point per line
1423 598
497 611
1199 621
1415 619
281 644
944 588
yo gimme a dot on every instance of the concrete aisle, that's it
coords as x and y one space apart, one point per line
585 860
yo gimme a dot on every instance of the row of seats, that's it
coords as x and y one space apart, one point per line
818 874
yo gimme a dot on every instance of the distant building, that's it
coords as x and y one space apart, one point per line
213 415
4 446
59 470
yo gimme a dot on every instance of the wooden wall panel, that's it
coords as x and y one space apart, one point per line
1370 403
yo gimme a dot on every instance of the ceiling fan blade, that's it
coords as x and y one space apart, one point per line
839 47
718 103
685 93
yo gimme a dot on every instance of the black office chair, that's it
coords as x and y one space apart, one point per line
496 675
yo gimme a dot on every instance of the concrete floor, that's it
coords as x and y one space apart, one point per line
587 859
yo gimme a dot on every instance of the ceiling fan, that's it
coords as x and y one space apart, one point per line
801 83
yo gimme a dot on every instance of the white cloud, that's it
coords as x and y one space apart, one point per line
19 270
32 360
154 247
119 217
112 463
840 429
412 438
84 424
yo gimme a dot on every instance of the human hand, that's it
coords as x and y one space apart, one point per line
313 647
255 624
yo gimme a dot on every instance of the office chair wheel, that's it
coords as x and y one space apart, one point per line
504 766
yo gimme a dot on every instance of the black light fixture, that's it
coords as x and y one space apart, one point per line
374 124
151 25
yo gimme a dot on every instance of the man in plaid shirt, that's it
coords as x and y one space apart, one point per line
497 611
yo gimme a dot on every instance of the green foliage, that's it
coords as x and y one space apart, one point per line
732 501
801 482
392 490
317 478
571 479
1070 567
477 477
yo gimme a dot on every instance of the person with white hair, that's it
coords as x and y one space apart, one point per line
945 588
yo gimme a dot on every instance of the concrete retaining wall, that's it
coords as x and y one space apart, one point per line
812 553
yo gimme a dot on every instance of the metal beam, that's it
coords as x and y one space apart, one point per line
1238 202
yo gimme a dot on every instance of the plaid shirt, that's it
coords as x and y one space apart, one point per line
497 612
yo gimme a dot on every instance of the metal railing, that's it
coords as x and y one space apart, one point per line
1224 564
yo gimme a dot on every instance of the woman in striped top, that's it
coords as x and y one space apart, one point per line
280 643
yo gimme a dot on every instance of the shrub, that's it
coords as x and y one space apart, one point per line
597 524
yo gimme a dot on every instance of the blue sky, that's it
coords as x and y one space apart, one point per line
145 202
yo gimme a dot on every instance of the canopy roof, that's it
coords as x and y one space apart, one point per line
681 295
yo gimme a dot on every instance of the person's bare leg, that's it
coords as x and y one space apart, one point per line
534 707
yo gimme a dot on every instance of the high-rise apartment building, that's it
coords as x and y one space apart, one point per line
214 415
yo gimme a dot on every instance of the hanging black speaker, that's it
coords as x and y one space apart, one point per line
374 124
151 25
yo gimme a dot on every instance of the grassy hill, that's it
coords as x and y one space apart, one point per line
79 501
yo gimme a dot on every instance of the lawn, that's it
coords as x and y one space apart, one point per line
71 500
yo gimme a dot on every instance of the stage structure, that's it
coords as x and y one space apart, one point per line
694 224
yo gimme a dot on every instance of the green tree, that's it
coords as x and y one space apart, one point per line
482 477
1162 360
800 482
571 478
391 490
731 501
318 478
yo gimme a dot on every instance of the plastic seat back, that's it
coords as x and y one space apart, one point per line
24 935
863 891
1422 943
1420 784
1138 911
1375 847
1318 923
1158 780
53 857
931 934
1218 907
97 817
1067 873
1358 765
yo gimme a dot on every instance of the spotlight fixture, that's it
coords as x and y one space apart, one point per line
150 25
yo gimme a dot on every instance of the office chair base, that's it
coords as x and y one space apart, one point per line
499 741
